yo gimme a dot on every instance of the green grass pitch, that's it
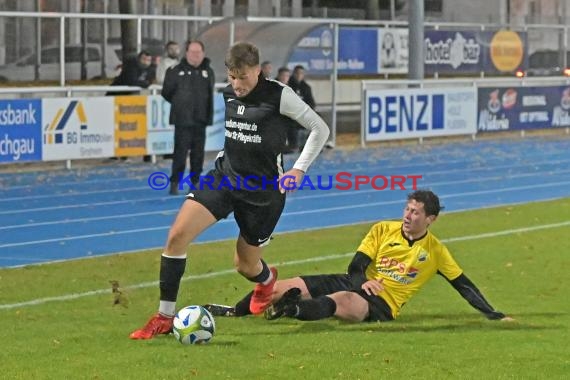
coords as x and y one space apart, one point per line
59 321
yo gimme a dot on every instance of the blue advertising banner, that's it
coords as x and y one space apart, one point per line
385 50
358 51
454 52
20 130
314 52
215 133
519 108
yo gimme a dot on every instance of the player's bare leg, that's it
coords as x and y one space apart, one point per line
192 219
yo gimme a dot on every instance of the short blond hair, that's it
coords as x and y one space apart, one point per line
242 54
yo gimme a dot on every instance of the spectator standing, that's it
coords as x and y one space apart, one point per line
283 75
293 128
266 69
189 88
303 90
172 58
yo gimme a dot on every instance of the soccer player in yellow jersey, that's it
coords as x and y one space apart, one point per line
394 260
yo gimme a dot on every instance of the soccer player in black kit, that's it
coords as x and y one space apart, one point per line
256 128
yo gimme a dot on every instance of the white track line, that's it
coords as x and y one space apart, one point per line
148 284
370 222
142 172
304 212
87 204
91 219
368 169
330 194
295 197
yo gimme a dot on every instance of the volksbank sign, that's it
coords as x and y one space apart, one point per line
20 130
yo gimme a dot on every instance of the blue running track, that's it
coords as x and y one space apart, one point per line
56 215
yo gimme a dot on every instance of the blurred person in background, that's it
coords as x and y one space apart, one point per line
266 69
283 76
305 92
135 71
172 58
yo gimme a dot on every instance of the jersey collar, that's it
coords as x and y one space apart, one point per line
411 242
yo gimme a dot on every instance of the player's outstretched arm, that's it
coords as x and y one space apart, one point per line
469 291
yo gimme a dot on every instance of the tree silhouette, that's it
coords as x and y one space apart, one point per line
128 29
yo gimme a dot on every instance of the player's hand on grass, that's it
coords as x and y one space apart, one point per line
373 287
508 319
290 180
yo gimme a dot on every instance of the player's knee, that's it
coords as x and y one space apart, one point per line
176 241
281 286
350 306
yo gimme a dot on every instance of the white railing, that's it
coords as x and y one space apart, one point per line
67 90
334 23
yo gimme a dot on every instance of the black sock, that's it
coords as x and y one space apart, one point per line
314 309
263 275
171 271
242 307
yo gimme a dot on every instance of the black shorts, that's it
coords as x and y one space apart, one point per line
256 211
378 309
325 284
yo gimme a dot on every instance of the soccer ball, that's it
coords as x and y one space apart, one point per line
193 325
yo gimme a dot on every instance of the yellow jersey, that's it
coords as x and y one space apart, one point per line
404 265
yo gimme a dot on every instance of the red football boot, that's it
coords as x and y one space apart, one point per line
158 324
262 295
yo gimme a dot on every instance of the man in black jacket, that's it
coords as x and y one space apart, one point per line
301 88
136 71
293 128
189 88
298 136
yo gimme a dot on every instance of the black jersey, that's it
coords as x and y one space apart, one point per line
256 131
